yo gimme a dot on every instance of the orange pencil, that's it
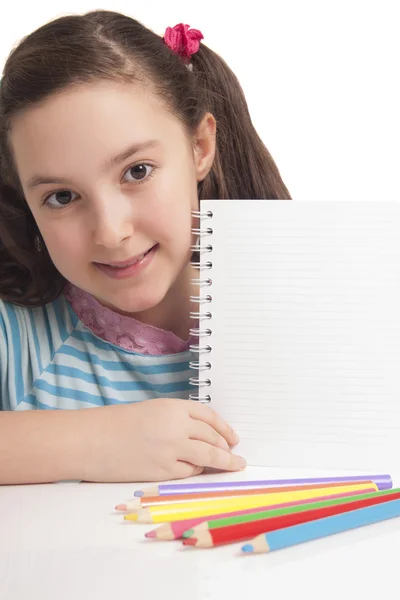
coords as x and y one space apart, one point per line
144 502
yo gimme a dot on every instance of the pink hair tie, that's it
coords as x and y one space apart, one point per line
183 41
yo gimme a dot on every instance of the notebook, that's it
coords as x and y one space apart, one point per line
299 329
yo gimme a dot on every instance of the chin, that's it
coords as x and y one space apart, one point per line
132 302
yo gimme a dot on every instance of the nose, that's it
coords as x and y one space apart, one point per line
112 219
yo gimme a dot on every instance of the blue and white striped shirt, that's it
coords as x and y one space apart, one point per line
50 360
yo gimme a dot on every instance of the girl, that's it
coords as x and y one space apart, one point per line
109 136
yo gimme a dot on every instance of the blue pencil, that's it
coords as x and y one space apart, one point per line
290 536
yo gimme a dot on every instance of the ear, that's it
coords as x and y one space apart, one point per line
204 146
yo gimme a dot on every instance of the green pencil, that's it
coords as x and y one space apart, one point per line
277 512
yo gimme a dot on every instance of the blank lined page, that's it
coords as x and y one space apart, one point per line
305 360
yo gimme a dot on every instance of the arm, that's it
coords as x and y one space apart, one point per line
36 446
39 446
152 440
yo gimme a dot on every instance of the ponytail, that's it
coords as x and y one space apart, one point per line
243 167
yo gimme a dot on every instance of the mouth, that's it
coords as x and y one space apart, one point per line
129 267
129 262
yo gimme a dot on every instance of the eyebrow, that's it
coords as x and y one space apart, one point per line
37 180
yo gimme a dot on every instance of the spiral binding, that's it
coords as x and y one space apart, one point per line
199 332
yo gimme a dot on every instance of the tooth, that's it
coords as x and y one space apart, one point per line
133 262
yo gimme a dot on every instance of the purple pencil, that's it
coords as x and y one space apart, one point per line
383 482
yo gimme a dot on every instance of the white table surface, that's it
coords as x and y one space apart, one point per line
65 540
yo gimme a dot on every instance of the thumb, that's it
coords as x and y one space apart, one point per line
185 469
197 470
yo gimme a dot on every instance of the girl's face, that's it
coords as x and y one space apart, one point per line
111 180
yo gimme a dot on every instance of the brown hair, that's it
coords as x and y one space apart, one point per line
104 45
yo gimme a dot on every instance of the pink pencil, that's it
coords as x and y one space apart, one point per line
174 530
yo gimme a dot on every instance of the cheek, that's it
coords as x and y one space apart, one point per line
173 211
63 242
171 223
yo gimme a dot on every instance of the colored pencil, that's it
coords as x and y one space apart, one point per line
383 482
306 532
176 529
244 531
176 512
137 503
250 517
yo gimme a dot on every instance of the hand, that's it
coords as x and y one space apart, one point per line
157 440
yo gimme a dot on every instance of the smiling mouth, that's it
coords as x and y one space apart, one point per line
128 263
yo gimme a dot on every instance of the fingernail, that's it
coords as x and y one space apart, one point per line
242 464
236 437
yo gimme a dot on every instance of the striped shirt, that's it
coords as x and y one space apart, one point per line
49 359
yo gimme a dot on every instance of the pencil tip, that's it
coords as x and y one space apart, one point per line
248 548
150 534
190 542
131 517
188 533
138 494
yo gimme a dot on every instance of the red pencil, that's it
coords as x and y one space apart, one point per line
244 531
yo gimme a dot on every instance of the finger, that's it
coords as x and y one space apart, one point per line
207 455
205 433
184 469
207 414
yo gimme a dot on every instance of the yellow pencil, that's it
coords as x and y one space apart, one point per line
167 513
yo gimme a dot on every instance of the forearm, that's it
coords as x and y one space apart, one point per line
42 446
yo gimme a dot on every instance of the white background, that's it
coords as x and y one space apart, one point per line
321 79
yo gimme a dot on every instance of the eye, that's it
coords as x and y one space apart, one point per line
59 199
141 171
